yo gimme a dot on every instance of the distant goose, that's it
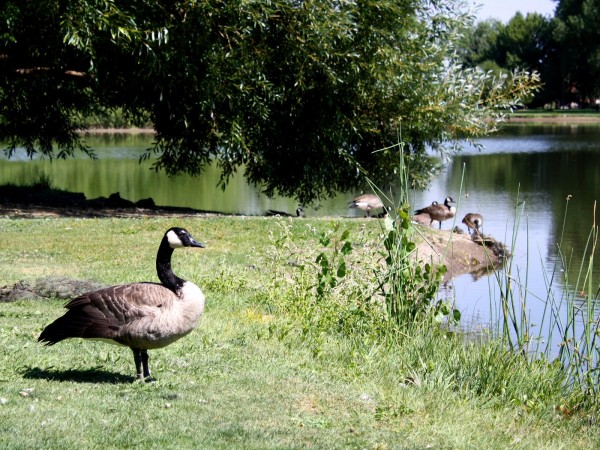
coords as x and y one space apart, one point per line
439 212
473 221
142 315
423 218
272 212
366 202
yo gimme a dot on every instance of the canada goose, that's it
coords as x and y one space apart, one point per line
423 218
142 315
439 212
473 221
366 202
272 212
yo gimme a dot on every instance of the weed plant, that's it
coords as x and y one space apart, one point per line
325 284
580 348
372 286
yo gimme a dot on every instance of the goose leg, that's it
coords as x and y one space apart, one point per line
145 358
137 358
141 364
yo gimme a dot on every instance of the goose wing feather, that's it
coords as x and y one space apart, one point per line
107 312
432 210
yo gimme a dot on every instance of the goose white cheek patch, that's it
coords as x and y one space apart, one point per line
174 240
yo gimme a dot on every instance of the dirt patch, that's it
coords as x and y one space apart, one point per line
45 288
460 253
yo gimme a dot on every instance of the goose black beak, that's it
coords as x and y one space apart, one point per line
194 243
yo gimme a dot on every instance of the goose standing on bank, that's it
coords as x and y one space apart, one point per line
439 212
141 316
473 221
423 218
366 202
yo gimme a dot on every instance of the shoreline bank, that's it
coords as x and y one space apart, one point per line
553 118
519 117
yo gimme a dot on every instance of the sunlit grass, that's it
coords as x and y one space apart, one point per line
253 375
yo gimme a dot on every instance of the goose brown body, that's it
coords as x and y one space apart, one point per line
141 316
439 212
366 202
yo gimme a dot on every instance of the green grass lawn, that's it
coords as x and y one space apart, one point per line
246 378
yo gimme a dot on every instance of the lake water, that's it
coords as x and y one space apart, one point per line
519 183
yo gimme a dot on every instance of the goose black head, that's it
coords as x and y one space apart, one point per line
180 237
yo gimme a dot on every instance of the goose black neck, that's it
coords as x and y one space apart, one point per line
163 267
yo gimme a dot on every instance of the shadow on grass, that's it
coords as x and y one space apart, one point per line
41 198
77 376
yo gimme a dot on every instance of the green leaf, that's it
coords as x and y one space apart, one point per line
346 248
341 271
456 315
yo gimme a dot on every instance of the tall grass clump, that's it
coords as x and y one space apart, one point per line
569 317
580 330
512 320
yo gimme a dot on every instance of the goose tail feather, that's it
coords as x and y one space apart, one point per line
85 322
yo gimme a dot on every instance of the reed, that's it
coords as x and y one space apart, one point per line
569 313
579 330
409 285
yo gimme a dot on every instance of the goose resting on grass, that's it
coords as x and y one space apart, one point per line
272 212
141 316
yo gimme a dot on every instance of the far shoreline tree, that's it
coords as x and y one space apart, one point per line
524 42
578 32
308 98
564 50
